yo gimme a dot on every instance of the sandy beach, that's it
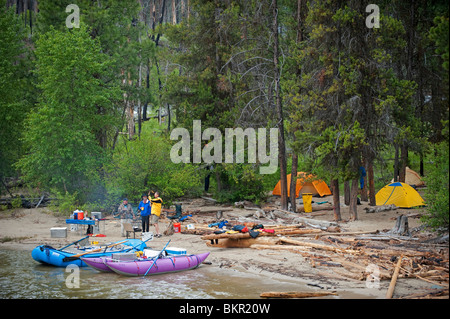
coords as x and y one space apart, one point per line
26 228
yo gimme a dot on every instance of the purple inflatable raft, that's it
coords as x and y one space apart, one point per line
139 267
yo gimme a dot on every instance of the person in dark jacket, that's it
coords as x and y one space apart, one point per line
145 210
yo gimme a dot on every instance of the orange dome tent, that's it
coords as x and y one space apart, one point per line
306 183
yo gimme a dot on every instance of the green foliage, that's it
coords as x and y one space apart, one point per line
15 78
437 193
64 133
439 34
52 14
144 164
66 203
340 146
349 93
241 182
16 202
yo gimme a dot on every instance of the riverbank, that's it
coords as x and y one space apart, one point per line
26 228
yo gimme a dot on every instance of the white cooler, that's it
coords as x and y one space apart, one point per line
58 232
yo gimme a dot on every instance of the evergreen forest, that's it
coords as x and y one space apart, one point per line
91 90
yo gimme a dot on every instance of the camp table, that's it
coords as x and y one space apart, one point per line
80 222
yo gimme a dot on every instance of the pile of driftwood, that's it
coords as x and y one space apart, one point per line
360 256
373 257
27 202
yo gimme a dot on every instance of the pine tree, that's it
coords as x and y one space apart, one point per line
16 90
73 107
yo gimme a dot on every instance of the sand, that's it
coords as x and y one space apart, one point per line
26 228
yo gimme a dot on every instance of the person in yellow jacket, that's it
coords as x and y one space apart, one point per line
156 203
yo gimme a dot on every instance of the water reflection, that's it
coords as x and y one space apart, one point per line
22 277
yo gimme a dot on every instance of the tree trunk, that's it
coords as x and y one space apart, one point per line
130 120
281 141
139 88
421 171
403 162
371 181
347 193
293 186
336 199
401 227
174 13
396 173
353 200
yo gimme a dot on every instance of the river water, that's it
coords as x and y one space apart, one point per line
23 277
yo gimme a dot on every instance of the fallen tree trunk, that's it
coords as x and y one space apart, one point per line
377 209
210 210
247 235
278 247
315 222
319 246
344 234
295 294
242 243
231 236
391 288
351 266
315 208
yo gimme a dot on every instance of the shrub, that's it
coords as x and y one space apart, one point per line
436 196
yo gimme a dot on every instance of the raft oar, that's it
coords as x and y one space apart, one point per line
75 242
157 257
74 257
138 245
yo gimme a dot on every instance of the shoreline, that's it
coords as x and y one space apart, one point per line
32 226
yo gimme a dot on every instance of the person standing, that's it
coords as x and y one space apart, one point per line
155 212
144 209
125 211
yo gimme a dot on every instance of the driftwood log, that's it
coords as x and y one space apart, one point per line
315 208
28 202
247 235
318 246
377 209
295 294
201 210
391 288
242 243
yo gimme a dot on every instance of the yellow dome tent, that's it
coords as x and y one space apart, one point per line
400 194
306 183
